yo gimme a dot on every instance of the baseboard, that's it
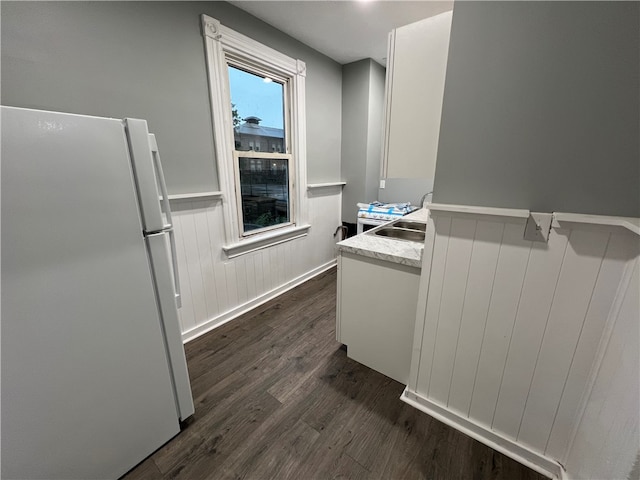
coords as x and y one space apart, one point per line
518 452
251 304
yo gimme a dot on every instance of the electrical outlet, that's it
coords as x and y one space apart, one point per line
382 182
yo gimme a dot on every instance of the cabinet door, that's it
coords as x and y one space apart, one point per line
377 313
417 65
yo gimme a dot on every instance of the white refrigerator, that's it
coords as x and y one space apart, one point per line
94 377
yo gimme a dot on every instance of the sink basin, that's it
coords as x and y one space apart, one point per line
410 225
400 234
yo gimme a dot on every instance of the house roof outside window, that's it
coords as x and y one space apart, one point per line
251 126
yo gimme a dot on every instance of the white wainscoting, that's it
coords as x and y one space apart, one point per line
606 442
508 330
216 289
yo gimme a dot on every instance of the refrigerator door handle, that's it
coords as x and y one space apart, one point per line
160 175
145 174
174 264
168 227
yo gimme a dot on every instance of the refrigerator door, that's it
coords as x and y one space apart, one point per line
148 175
160 255
87 390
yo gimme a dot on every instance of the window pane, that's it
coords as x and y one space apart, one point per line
257 104
264 184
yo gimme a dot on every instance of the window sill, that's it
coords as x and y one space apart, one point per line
265 240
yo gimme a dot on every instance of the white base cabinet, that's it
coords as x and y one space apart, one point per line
376 313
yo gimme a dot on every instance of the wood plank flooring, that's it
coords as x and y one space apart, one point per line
277 398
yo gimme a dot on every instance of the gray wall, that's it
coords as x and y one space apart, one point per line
146 60
541 107
362 101
375 130
405 190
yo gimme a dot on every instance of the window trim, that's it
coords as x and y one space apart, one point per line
222 42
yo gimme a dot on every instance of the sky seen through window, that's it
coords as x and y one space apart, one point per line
252 96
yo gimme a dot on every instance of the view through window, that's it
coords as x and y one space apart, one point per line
262 161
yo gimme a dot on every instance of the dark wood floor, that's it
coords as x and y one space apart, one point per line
277 398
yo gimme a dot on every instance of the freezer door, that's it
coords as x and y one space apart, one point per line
159 253
86 386
148 175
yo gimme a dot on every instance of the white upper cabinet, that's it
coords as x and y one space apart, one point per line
416 68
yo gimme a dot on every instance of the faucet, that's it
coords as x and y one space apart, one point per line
424 197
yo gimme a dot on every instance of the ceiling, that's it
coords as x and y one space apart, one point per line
345 31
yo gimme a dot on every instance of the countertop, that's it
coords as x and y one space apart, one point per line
388 249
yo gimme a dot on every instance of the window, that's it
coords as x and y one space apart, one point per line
264 196
257 103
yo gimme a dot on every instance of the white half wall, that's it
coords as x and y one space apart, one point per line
509 338
607 441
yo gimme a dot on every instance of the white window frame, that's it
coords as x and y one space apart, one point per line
224 46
